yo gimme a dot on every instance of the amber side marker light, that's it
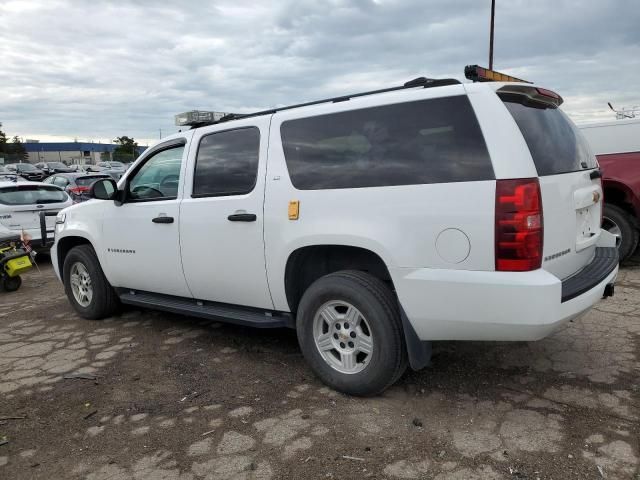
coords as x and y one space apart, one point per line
481 74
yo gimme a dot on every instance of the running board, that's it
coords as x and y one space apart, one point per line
249 317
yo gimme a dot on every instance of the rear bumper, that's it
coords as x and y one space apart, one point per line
471 305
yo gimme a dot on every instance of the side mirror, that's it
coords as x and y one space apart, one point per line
103 189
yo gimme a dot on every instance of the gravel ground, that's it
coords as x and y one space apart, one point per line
170 397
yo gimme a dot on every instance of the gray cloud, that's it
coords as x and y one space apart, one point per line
94 70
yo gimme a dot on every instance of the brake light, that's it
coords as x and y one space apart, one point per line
547 93
79 190
518 225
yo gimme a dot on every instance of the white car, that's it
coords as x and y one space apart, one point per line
373 224
21 203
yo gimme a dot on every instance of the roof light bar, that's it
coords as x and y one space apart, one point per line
198 117
481 74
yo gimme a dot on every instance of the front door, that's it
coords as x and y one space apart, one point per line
221 214
141 236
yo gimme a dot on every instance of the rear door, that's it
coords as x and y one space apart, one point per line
571 199
221 215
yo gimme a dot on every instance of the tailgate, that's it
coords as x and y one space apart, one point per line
571 199
572 205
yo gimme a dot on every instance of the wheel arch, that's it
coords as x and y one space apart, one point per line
617 193
308 263
64 246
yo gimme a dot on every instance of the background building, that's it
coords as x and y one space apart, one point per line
71 153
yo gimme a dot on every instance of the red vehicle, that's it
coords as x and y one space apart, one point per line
617 146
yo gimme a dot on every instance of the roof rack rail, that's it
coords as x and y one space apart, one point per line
416 82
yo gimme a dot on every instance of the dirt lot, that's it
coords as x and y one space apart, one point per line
180 398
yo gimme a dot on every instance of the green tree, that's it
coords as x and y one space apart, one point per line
127 149
18 150
3 144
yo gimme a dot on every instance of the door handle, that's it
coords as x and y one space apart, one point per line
163 220
242 217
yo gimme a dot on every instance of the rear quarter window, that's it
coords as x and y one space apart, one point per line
31 195
556 145
422 142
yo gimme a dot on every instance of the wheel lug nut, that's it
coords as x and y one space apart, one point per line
350 344
335 335
341 344
346 325
337 326
352 334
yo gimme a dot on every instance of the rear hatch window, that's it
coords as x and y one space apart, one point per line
87 181
555 143
31 194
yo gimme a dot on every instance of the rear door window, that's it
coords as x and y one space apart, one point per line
227 163
31 195
556 145
427 141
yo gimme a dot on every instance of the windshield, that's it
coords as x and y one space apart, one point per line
555 143
56 165
31 195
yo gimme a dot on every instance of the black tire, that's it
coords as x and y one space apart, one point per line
614 215
11 284
379 307
104 301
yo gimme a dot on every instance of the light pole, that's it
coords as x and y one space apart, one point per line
493 15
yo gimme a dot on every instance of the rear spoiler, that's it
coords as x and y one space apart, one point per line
535 97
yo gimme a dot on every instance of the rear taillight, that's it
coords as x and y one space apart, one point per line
79 190
519 227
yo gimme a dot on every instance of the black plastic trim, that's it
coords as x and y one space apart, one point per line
239 315
603 263
419 352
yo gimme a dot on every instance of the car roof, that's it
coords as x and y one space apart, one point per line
11 183
80 174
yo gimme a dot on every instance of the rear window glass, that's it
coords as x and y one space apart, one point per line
555 143
428 141
31 195
87 181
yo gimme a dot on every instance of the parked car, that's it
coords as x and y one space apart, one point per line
21 204
617 146
26 171
115 166
53 167
115 174
372 225
75 184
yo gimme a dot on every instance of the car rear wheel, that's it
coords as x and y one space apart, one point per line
619 223
10 284
87 288
350 333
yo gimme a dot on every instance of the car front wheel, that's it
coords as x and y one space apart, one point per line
86 287
350 333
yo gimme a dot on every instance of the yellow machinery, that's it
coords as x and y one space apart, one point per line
14 261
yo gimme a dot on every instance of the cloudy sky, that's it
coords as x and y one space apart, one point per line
93 70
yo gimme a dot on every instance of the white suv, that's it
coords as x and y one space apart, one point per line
372 224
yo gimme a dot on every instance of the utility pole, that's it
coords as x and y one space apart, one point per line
160 133
493 15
